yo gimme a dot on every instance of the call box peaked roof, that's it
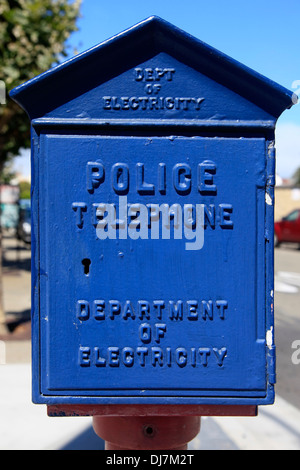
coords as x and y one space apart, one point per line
44 94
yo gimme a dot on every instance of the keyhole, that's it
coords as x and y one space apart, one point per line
86 264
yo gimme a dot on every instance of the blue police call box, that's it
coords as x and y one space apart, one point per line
153 169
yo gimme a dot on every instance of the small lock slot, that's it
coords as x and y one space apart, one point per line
86 266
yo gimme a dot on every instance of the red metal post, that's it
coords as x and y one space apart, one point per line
148 427
146 432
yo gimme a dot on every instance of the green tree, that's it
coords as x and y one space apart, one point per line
24 190
33 35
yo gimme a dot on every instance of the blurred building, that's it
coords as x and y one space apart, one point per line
9 209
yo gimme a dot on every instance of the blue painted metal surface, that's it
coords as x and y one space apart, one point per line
153 172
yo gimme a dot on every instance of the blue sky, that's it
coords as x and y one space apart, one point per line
262 34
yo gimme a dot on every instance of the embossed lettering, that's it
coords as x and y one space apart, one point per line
160 330
158 305
181 357
142 186
142 353
95 175
182 174
153 79
99 361
99 312
144 309
82 310
206 171
162 178
192 309
128 311
176 310
128 357
220 355
157 356
113 356
115 308
79 208
144 356
84 357
150 74
152 103
145 332
120 178
204 353
179 310
225 216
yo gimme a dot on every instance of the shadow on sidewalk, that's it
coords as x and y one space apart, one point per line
87 440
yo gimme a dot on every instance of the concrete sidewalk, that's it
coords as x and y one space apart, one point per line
24 426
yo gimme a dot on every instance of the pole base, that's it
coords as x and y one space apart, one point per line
145 433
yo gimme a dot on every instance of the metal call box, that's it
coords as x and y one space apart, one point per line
153 168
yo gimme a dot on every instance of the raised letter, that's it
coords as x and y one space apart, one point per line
113 357
220 355
84 357
83 310
79 208
181 357
120 178
159 305
176 310
182 169
128 311
142 187
115 308
221 305
162 178
99 361
142 352
192 310
160 330
225 211
95 175
139 74
144 309
206 170
99 313
207 310
157 356
145 332
204 352
128 357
